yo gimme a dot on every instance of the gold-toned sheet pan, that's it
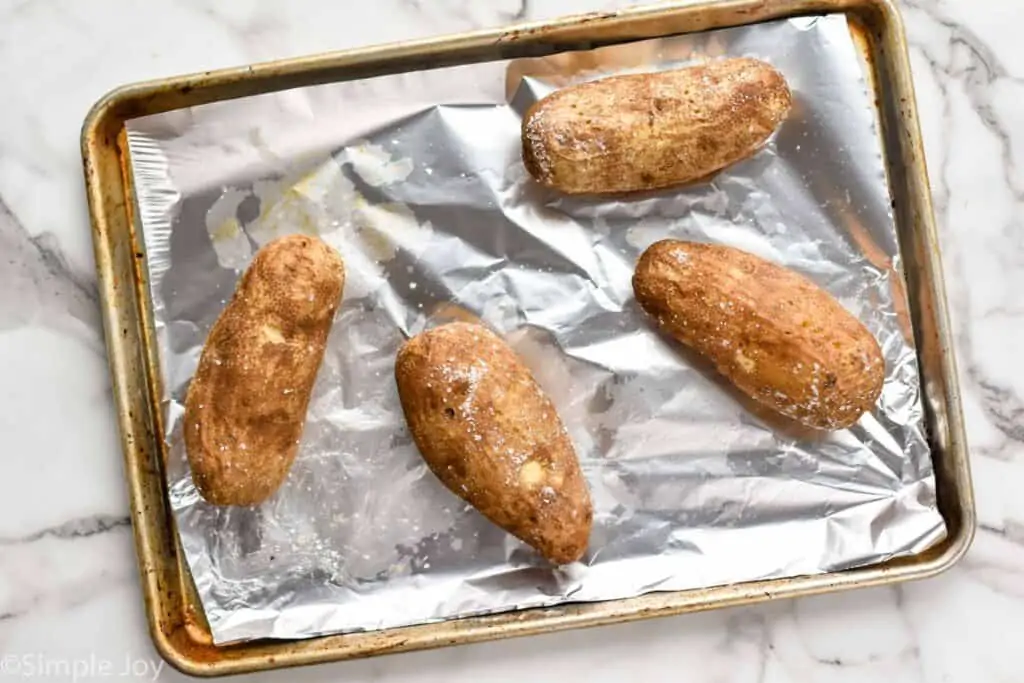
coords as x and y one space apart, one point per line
174 612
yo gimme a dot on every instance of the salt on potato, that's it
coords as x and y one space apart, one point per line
652 130
492 436
780 338
246 404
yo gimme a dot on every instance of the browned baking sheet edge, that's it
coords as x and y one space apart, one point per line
175 619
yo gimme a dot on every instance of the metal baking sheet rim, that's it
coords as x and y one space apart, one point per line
176 623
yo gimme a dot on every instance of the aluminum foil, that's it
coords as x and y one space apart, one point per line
417 180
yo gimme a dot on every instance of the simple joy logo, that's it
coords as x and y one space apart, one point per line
88 668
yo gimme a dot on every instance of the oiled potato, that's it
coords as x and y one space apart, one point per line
492 436
653 130
777 336
246 404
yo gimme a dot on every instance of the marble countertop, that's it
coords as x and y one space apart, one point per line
69 594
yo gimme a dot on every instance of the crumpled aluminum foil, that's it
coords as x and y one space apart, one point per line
417 180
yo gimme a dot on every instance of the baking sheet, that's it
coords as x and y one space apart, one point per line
416 178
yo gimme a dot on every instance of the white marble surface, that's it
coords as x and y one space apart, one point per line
69 594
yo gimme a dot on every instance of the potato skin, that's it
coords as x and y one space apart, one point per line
647 131
246 404
492 436
780 338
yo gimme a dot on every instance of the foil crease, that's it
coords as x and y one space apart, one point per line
417 179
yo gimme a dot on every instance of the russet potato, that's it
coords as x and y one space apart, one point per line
246 404
652 130
492 436
781 339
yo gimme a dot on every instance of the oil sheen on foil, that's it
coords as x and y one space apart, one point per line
417 179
